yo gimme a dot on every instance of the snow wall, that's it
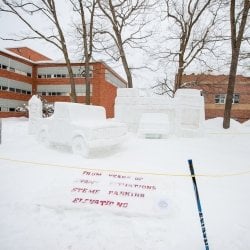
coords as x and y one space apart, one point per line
185 111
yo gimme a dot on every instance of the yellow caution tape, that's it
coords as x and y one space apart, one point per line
125 172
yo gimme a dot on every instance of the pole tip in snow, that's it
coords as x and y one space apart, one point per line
190 161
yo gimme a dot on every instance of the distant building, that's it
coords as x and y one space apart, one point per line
24 72
214 89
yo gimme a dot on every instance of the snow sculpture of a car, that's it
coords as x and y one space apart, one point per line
154 126
82 127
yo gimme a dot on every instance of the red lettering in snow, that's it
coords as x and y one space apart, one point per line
89 173
138 178
121 204
85 190
125 193
130 185
94 202
85 181
119 176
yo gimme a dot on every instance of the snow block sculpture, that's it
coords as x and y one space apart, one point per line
35 113
131 103
189 113
184 114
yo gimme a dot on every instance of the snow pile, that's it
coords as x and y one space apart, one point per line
247 123
215 126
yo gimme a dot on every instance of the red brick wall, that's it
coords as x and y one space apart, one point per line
29 54
103 93
15 76
12 114
14 96
217 84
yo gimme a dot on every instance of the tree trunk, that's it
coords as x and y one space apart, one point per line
127 71
65 53
87 82
235 44
71 79
178 81
123 57
230 89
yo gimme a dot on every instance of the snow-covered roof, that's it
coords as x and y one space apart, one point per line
6 51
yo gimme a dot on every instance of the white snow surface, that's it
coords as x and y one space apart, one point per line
138 196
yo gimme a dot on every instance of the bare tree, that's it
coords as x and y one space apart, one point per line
163 87
86 9
47 8
192 22
125 17
238 23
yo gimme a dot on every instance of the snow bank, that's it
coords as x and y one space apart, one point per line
247 123
215 126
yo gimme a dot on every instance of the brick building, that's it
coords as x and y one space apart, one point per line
214 89
24 72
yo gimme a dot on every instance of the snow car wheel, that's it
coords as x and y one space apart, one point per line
80 147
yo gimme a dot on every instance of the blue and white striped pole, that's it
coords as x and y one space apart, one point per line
203 229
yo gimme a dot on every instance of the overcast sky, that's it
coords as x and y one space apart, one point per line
11 26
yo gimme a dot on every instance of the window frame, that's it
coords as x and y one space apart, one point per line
221 98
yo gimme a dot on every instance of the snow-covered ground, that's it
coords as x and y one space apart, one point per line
139 196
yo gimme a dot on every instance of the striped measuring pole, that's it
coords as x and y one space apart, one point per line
203 228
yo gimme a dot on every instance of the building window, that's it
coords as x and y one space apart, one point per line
63 75
12 109
236 98
221 98
11 69
21 91
3 88
4 109
53 93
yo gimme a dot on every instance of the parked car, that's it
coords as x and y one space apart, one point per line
82 127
